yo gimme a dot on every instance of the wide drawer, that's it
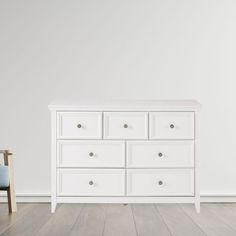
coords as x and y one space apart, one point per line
160 154
89 182
171 125
125 125
91 153
162 182
79 125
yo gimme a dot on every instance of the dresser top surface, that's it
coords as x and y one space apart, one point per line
126 105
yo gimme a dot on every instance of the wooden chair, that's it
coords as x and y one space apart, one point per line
11 187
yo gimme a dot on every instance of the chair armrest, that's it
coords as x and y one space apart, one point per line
7 155
5 152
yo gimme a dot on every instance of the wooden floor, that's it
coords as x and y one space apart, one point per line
119 220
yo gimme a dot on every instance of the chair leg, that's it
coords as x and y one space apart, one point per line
11 200
11 189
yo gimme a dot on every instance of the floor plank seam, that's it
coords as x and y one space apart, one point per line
135 226
45 223
219 218
158 212
104 223
180 206
194 221
230 209
77 218
18 219
42 225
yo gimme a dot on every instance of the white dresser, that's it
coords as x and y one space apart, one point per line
125 152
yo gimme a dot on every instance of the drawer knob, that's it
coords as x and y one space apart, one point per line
160 154
160 182
91 154
125 126
172 126
90 182
79 126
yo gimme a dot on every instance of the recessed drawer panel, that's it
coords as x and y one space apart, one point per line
91 153
125 125
160 154
171 125
80 125
162 182
89 182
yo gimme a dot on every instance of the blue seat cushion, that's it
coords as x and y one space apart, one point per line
4 176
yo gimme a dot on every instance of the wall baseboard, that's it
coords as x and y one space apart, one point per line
219 199
37 198
40 198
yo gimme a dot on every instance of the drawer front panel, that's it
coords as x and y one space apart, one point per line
172 125
87 182
163 182
91 154
125 125
79 125
160 154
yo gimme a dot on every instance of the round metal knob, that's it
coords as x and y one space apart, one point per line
125 126
160 154
91 182
91 154
79 126
172 126
160 182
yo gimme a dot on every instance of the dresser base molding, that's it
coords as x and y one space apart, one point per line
125 200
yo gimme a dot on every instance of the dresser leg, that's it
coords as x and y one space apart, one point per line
53 207
197 206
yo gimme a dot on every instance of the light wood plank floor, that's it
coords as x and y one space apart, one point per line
119 220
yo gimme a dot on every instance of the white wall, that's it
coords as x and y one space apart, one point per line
117 49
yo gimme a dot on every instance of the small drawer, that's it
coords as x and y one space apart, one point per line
125 125
162 182
91 153
89 182
79 125
172 125
160 154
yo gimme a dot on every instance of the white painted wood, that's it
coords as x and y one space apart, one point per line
53 161
197 165
160 182
126 105
115 122
91 125
76 153
126 199
161 125
156 154
90 182
125 160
